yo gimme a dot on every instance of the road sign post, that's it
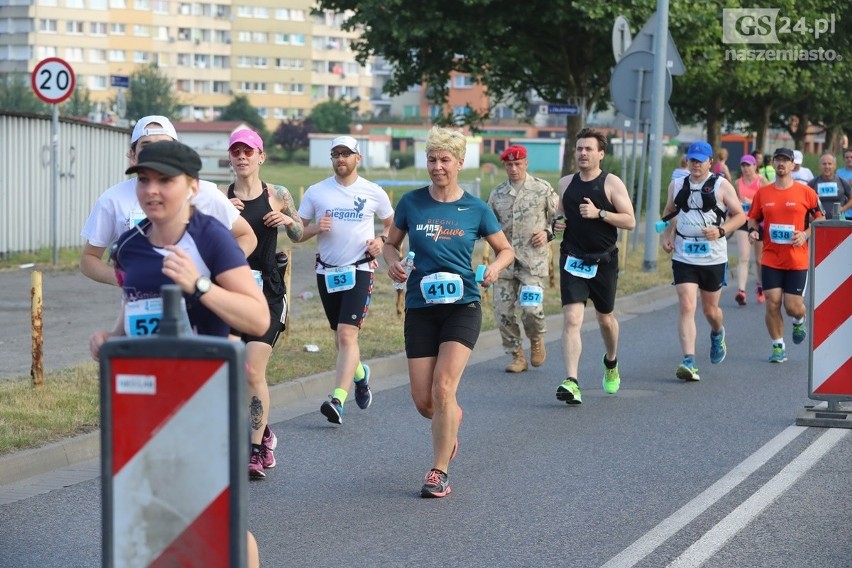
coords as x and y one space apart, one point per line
830 324
174 444
53 81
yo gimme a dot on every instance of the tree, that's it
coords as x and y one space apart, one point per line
78 104
556 50
292 135
334 116
151 92
241 109
16 94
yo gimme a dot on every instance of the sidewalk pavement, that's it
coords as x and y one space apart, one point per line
290 399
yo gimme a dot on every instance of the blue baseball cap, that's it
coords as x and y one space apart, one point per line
700 151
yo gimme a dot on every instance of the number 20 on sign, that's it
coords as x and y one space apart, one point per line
53 80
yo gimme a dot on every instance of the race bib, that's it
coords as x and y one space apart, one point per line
827 189
142 317
258 277
442 288
531 296
579 268
340 278
781 234
696 249
136 217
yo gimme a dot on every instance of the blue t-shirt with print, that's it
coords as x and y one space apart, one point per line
213 250
442 236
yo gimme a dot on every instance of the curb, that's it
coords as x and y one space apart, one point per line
390 372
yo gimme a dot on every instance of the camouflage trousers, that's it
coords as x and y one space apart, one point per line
506 306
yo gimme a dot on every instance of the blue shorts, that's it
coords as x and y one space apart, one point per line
791 281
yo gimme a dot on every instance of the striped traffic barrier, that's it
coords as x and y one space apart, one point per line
830 324
174 442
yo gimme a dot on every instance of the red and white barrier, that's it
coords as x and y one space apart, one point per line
830 307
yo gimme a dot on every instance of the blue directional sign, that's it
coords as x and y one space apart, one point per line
122 81
570 110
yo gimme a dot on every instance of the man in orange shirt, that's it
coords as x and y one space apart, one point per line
786 209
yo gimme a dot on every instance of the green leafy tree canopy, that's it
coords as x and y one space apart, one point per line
332 116
16 94
241 109
151 92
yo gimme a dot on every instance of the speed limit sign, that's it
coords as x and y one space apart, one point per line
53 80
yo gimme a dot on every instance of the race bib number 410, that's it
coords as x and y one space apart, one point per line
442 288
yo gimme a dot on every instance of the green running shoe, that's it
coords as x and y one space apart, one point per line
686 372
799 332
611 379
779 354
569 392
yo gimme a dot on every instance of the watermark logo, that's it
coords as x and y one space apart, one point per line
766 25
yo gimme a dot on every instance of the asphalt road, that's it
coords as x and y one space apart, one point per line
665 473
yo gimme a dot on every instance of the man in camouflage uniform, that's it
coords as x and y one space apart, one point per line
524 205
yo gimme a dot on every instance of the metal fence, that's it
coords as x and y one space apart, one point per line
90 158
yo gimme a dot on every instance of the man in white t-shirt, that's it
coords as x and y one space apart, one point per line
118 210
343 210
801 173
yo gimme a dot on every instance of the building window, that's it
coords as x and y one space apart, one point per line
116 55
97 82
143 5
46 51
141 31
47 26
161 6
119 4
463 82
411 111
260 37
282 14
261 62
97 4
98 28
141 57
297 39
117 29
297 15
75 4
74 27
97 55
74 53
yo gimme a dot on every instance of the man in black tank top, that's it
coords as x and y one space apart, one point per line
593 205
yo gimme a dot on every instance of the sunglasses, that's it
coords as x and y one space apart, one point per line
336 155
235 152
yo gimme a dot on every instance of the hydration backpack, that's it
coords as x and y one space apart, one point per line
708 200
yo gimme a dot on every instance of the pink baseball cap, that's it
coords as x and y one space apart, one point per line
248 137
748 159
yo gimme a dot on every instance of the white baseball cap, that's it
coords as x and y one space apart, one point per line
798 158
141 129
346 141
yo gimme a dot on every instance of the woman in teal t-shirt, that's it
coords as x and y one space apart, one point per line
443 314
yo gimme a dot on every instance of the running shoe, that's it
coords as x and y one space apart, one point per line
435 485
687 372
611 378
717 347
569 392
779 354
363 395
267 444
760 297
333 410
740 297
255 466
799 332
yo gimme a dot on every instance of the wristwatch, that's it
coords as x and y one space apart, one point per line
721 232
602 214
202 286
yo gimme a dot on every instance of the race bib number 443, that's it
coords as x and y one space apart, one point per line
580 269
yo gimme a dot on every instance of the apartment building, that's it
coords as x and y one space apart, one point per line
282 55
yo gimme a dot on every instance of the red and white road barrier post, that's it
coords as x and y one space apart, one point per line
174 443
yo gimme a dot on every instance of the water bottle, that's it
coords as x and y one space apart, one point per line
281 260
407 265
660 226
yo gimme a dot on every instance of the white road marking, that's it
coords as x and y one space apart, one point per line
646 544
739 518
